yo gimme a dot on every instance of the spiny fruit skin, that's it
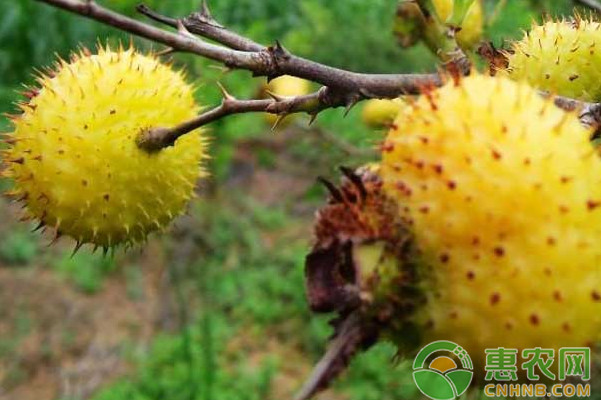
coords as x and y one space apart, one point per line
561 57
73 154
471 30
379 113
502 192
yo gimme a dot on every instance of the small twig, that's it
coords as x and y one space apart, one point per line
156 138
442 41
592 4
202 23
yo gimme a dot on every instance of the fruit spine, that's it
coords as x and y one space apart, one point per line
562 57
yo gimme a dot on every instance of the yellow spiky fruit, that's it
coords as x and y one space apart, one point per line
472 27
502 192
561 57
289 86
73 153
379 113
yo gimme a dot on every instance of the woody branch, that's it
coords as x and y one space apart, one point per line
340 88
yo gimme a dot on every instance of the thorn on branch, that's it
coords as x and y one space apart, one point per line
279 52
165 51
182 30
351 102
279 120
205 12
226 95
275 96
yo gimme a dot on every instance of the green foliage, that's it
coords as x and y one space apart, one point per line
237 281
84 269
251 297
18 247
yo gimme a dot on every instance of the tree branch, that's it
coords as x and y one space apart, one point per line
341 88
270 61
156 138
588 113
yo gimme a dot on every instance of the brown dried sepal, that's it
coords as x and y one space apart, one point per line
357 212
496 59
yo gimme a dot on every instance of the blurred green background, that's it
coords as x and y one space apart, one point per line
215 309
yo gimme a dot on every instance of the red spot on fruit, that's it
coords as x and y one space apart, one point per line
496 155
557 296
451 185
471 275
495 298
444 258
387 147
596 296
402 186
591 204
534 319
499 251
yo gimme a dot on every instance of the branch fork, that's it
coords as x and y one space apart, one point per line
340 88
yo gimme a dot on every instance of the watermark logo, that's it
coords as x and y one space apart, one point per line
443 370
570 362
436 373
